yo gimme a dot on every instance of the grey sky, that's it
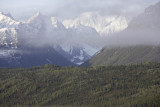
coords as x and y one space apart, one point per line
22 9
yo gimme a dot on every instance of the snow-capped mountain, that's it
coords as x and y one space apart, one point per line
139 43
77 40
8 37
6 20
57 24
8 31
29 40
78 45
38 27
104 25
76 53
31 56
40 22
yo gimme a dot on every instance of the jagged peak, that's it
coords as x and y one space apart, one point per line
6 15
37 15
56 23
54 20
9 15
6 20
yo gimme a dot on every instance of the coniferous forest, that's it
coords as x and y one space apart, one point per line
135 85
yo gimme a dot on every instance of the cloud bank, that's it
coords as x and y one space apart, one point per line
72 8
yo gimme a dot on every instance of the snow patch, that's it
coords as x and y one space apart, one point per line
104 25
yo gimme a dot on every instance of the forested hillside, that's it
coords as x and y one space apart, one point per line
98 86
125 55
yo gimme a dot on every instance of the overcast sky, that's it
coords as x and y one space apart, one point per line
22 9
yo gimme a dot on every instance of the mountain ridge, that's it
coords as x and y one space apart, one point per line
139 43
104 25
49 31
125 55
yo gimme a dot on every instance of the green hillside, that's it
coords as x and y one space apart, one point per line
100 86
125 55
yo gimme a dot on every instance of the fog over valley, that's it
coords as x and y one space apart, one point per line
80 31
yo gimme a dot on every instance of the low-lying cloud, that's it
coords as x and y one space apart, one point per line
72 8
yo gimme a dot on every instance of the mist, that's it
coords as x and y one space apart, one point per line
77 29
66 9
136 33
142 30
